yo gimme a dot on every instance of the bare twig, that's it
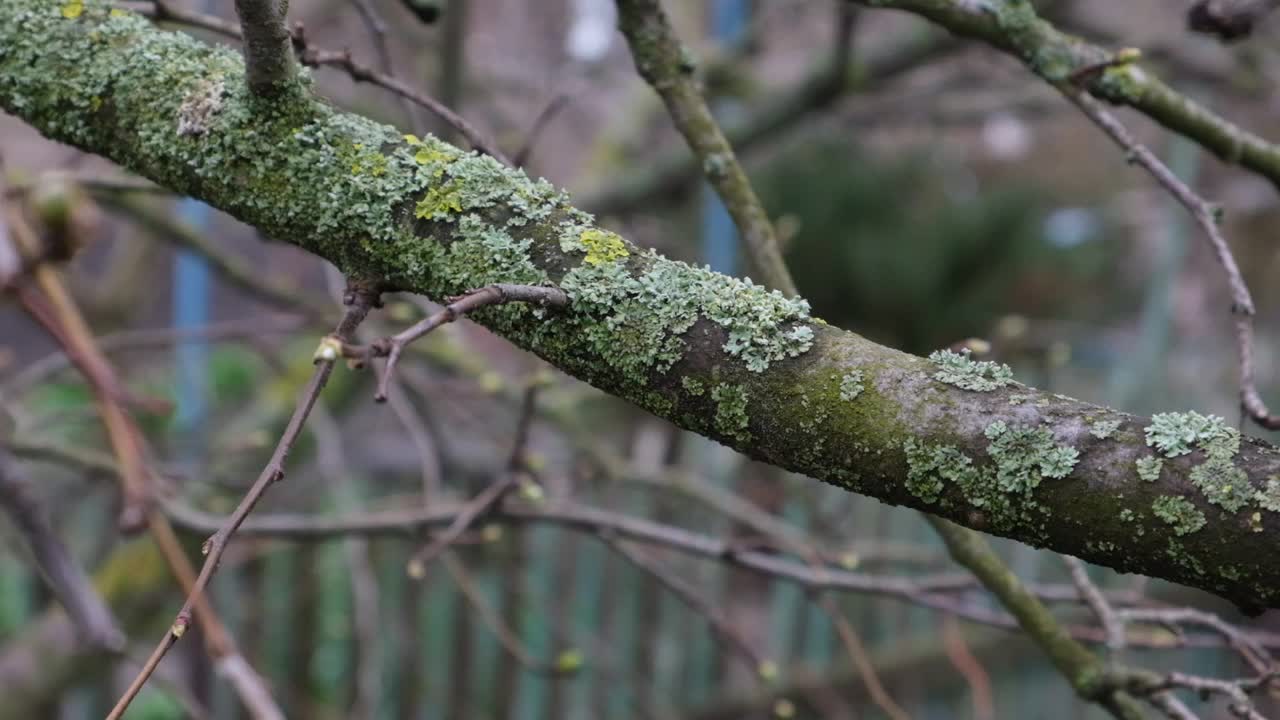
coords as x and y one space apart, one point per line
861 660
391 347
377 28
360 301
760 667
662 61
493 621
65 578
969 667
1092 597
540 123
1206 216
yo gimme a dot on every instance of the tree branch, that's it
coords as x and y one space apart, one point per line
715 355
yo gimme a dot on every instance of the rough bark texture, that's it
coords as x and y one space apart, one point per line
715 355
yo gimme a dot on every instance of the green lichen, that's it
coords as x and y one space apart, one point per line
851 385
1020 398
1024 456
731 411
1178 512
1223 483
1218 478
1127 515
639 320
1103 429
1149 468
693 386
931 467
1175 434
600 246
1268 498
960 370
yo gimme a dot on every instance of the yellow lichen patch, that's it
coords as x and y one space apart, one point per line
119 12
602 246
439 201
72 9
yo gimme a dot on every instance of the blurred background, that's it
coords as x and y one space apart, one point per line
928 190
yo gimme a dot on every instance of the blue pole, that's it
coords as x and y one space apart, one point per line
729 21
190 303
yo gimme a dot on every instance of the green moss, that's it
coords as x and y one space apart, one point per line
1149 468
1024 456
959 370
1178 512
731 411
1104 429
851 385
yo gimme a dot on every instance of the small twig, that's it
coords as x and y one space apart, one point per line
1230 20
67 581
391 347
540 123
761 668
359 72
969 667
1092 597
466 518
342 60
1206 216
1248 649
861 660
361 300
377 28
493 621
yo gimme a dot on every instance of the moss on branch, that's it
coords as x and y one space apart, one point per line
714 354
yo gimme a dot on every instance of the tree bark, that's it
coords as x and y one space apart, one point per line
715 355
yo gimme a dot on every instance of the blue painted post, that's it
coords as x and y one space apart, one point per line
729 20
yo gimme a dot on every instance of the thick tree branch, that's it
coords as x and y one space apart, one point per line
1014 27
713 354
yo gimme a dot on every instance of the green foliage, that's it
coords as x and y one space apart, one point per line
888 248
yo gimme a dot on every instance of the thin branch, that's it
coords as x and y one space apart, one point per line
66 580
663 62
493 621
1207 217
924 591
861 660
1076 664
765 670
360 302
391 347
1092 597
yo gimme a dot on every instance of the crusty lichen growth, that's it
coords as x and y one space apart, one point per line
1178 512
931 467
600 246
1149 468
1268 498
1026 455
1218 478
1175 434
693 386
851 385
731 411
960 370
1103 429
